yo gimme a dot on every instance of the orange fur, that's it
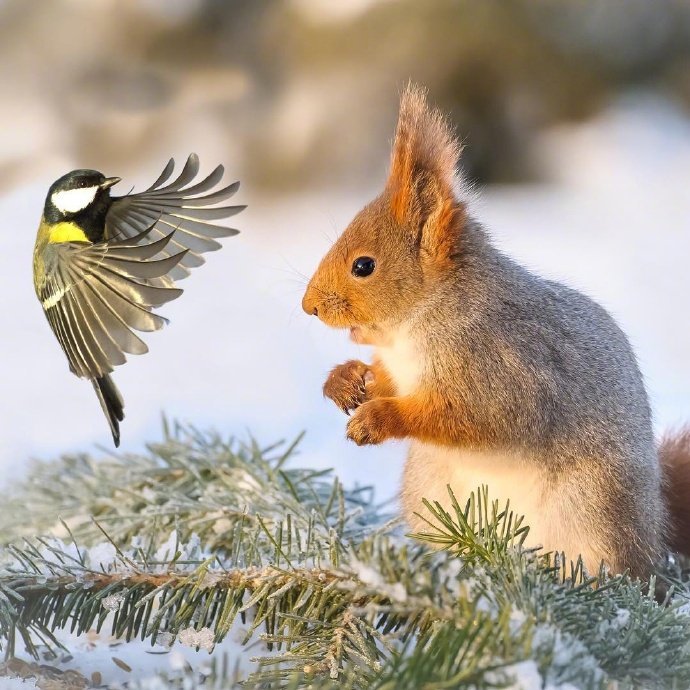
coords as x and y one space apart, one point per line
415 224
440 242
419 212
382 385
351 384
425 416
674 455
423 178
376 421
423 143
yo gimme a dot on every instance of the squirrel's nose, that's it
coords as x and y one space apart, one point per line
309 304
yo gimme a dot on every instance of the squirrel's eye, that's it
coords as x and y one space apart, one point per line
363 266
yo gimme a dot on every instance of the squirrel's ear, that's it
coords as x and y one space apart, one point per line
423 178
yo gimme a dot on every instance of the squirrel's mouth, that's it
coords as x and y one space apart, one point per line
356 334
366 335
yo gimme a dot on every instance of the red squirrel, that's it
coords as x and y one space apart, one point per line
496 375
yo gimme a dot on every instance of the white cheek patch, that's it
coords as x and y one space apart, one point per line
73 200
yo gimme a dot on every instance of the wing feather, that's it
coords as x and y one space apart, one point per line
119 329
59 330
102 324
220 195
192 236
142 269
165 175
96 295
135 316
188 173
82 336
187 208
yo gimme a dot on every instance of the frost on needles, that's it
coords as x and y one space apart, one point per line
202 534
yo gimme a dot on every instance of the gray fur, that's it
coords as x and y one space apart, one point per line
541 367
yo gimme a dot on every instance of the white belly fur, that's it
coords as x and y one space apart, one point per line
402 359
430 469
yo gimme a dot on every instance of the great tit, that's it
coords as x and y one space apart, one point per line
103 263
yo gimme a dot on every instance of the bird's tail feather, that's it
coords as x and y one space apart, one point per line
112 404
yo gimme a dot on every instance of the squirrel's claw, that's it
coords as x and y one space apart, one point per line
374 422
346 385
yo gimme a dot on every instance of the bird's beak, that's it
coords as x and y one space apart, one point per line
109 182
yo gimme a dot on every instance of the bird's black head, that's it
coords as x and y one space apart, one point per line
82 196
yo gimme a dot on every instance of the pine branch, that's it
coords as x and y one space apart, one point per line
200 532
318 619
194 482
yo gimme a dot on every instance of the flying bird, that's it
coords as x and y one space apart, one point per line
103 263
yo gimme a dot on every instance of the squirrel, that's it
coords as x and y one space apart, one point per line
497 376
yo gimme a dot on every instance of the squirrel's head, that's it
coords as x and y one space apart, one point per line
403 241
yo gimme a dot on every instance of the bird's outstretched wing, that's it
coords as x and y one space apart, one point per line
96 295
180 206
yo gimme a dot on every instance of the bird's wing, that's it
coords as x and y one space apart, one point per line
182 206
96 295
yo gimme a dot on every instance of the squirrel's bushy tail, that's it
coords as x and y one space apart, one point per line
674 455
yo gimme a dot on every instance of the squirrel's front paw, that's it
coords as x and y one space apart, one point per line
346 385
375 421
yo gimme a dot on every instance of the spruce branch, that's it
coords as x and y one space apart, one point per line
481 532
193 482
201 532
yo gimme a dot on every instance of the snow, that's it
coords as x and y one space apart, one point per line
517 619
621 619
526 676
102 556
372 577
683 609
113 602
569 655
452 572
102 654
189 551
203 639
17 683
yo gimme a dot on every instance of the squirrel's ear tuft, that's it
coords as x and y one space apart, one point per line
423 177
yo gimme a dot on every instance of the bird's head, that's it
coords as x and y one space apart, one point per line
77 192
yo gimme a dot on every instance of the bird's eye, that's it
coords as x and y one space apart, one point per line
363 266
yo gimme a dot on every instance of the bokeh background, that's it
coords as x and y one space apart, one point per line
576 122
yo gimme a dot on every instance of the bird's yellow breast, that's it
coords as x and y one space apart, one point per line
66 232
52 233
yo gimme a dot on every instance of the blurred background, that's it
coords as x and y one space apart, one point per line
576 122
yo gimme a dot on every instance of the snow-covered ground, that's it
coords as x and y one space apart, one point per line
108 662
240 355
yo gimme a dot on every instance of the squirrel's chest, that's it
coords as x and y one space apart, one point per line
403 359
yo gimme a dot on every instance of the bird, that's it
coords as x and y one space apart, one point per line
102 264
